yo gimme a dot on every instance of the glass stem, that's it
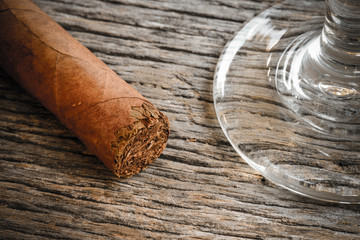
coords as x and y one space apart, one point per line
319 75
331 65
340 38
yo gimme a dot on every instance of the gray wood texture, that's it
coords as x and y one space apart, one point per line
52 187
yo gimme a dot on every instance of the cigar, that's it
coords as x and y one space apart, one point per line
123 129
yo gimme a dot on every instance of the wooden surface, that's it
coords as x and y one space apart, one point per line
53 187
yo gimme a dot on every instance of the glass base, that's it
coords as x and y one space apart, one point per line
266 124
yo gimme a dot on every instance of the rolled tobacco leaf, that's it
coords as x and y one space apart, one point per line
123 129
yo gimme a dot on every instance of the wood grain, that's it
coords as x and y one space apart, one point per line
53 187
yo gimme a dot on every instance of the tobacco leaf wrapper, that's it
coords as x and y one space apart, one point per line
124 130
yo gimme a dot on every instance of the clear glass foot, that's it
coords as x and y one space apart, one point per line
286 93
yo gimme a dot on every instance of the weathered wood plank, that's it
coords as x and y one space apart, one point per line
53 187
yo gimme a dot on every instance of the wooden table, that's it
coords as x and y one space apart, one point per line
53 187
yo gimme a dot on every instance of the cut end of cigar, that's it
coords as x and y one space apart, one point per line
139 144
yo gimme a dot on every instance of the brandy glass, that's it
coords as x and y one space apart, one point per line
286 93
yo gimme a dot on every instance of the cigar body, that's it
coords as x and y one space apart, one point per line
124 130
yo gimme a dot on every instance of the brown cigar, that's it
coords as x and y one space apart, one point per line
124 130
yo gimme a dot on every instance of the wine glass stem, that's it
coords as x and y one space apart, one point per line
318 76
340 38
